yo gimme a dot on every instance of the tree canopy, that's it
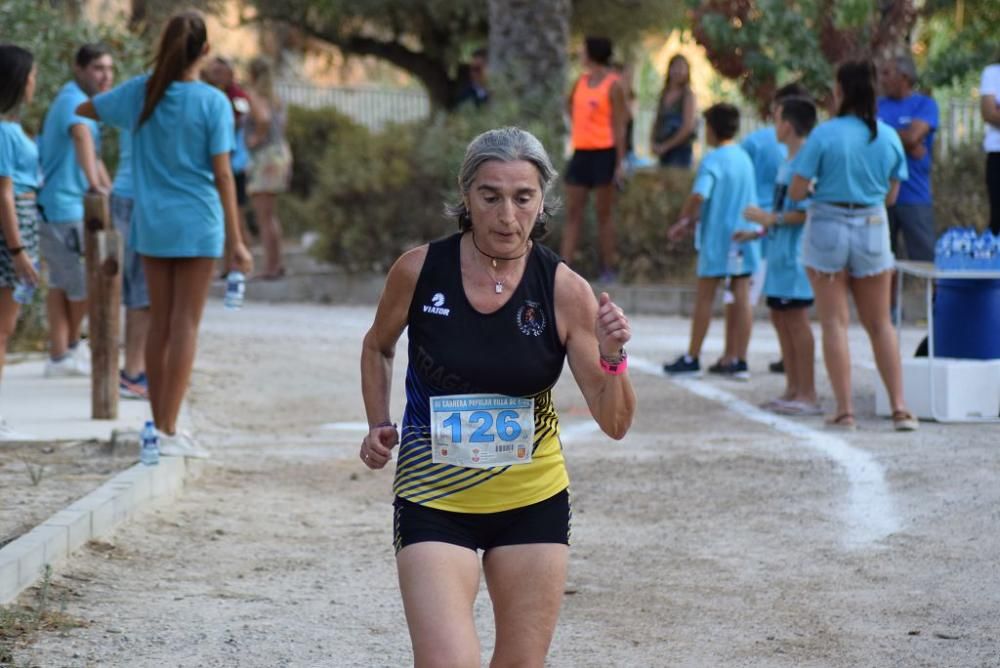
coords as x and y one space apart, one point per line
430 38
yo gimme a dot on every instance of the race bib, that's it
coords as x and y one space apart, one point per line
482 430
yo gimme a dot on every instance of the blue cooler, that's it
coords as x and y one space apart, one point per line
967 319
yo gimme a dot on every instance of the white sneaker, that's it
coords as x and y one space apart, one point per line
67 366
181 444
82 356
8 434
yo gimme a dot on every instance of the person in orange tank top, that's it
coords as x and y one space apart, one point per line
599 115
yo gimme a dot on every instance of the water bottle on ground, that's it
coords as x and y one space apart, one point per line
236 284
24 292
149 445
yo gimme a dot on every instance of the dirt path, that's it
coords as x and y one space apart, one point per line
707 538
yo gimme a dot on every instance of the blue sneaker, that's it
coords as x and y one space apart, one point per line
685 365
133 388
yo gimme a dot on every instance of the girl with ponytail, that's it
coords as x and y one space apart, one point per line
185 205
857 163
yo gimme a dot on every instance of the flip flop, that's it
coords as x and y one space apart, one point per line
844 421
904 421
798 408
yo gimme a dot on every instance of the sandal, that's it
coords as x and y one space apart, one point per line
904 421
800 408
843 421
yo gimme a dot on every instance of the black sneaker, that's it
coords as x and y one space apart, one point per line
740 370
685 365
777 367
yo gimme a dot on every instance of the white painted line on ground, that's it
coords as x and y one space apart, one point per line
578 430
870 514
345 426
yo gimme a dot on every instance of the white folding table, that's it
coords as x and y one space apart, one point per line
930 273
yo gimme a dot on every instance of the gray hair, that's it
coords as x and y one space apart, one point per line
904 65
508 144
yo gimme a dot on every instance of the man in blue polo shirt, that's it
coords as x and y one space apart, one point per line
915 119
70 160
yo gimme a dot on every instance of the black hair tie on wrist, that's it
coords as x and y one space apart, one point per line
15 250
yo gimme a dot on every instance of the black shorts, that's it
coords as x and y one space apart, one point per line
547 521
241 187
782 304
592 168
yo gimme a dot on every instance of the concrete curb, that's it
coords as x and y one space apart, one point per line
22 561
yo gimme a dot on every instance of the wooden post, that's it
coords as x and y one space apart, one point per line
104 293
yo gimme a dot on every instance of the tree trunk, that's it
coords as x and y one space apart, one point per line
529 44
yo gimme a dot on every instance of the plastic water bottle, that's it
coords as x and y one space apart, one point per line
236 284
149 445
981 249
942 250
958 249
994 252
24 292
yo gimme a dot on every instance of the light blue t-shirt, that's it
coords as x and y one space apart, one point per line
786 277
900 114
65 183
848 165
18 157
122 185
725 180
767 155
177 212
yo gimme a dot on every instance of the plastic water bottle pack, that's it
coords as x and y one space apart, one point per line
961 249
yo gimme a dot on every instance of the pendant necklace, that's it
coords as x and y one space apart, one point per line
498 282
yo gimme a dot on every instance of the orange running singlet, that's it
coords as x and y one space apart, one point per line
592 126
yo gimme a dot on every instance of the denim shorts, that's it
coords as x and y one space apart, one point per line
62 249
837 238
135 294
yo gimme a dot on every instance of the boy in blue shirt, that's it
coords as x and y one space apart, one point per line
723 187
71 166
767 154
789 294
914 117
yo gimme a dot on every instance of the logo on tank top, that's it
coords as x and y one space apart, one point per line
531 318
438 305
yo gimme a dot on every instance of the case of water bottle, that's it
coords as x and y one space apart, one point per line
961 249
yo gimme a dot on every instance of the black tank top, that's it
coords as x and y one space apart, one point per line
455 349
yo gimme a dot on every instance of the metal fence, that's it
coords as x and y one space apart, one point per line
960 122
370 107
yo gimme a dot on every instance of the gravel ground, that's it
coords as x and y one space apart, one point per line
712 536
39 479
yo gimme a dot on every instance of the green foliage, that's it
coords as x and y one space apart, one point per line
53 37
956 54
650 204
371 196
768 46
959 183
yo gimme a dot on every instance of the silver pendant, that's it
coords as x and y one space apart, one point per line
499 287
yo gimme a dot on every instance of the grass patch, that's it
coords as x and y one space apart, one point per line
20 624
